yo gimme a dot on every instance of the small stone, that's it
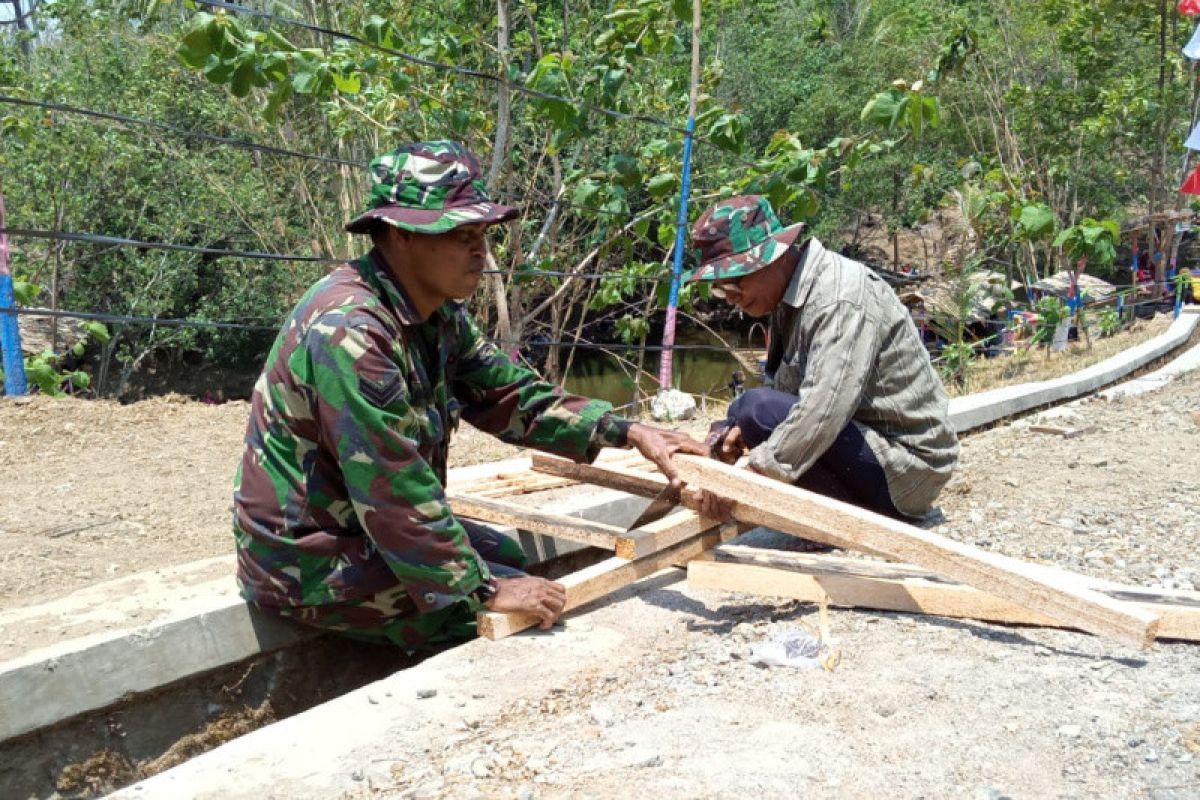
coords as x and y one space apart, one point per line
677 669
1135 741
601 715
481 768
372 699
524 793
425 694
1186 758
990 793
1150 757
1070 731
1041 651
640 758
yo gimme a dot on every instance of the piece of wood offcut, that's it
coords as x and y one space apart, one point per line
793 510
854 583
603 578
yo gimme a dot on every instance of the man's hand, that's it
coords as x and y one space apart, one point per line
531 595
730 447
713 506
659 444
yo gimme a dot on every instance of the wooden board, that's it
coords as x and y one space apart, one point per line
650 538
604 473
603 578
648 484
897 587
1066 433
763 500
499 512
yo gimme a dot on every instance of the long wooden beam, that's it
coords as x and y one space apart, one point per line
500 512
603 578
650 538
786 508
898 587
648 484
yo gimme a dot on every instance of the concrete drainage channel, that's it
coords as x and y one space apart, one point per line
89 716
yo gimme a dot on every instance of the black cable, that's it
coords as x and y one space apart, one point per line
96 317
93 238
471 73
209 137
199 323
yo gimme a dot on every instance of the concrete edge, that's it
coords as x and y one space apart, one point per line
1188 362
40 689
61 681
976 410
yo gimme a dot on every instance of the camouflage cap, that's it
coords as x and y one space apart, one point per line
428 187
739 236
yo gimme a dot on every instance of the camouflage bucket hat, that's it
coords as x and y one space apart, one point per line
428 187
739 236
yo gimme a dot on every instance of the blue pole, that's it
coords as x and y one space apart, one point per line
10 332
685 188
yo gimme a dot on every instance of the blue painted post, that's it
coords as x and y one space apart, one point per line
10 333
685 187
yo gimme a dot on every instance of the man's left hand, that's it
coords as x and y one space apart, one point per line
659 444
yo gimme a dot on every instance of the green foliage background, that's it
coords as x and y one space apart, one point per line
1035 116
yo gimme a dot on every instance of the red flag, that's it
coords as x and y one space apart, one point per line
1192 184
1189 8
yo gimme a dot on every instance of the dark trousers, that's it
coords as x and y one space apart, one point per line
847 471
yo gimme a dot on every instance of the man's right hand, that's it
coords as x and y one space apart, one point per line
530 595
730 447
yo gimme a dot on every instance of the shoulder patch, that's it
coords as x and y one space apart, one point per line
382 393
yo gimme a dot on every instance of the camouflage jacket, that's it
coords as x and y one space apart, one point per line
339 494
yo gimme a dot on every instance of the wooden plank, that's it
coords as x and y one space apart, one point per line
897 587
842 524
603 578
648 484
604 473
671 529
499 512
1066 433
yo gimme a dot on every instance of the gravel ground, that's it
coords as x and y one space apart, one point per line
918 707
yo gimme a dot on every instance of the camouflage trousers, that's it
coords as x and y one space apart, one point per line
391 617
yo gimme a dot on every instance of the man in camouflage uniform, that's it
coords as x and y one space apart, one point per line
340 517
853 408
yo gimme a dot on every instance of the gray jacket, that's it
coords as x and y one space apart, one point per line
845 344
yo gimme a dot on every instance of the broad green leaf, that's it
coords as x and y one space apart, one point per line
98 331
682 10
350 83
663 184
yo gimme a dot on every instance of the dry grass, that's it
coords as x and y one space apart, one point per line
1027 366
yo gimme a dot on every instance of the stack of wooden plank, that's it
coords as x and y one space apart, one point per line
934 574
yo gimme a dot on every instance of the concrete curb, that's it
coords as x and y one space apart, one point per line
1188 362
977 410
81 675
212 627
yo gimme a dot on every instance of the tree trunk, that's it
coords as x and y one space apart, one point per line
500 148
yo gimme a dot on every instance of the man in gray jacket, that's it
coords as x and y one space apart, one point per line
853 408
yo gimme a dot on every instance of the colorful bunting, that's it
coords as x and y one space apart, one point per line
1192 48
1192 184
1193 140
